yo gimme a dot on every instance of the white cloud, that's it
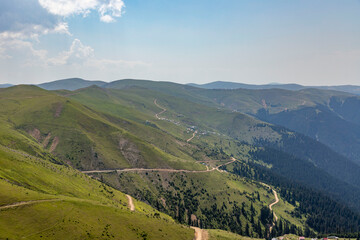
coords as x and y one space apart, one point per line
78 53
23 22
107 19
32 18
68 7
111 9
107 9
62 27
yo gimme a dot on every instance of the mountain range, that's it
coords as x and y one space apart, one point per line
139 159
233 85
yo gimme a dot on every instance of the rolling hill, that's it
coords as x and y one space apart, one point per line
70 84
171 146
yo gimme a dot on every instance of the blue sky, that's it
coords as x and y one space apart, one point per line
310 42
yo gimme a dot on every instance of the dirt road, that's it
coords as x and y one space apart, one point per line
194 133
158 169
131 203
163 109
200 234
17 204
272 204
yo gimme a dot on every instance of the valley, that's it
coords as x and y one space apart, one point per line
179 120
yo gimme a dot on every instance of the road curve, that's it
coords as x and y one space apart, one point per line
272 204
131 203
194 133
163 109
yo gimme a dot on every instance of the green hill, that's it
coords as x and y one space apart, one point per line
85 138
57 202
162 145
70 84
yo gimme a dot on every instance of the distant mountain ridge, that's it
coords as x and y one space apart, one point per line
78 83
70 84
233 85
5 85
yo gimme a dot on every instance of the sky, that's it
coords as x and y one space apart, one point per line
309 42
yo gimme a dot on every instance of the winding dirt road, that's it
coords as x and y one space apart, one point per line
131 203
272 204
200 234
194 133
17 204
163 109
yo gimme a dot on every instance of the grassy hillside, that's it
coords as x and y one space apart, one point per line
103 128
209 199
85 138
225 131
74 207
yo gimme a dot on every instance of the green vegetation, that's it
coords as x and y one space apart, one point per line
43 133
207 200
78 207
215 234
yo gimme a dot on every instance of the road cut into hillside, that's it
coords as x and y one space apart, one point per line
18 204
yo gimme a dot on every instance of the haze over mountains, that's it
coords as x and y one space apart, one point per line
187 156
232 85
77 83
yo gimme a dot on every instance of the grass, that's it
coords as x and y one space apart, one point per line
82 220
107 129
205 188
87 209
86 138
216 234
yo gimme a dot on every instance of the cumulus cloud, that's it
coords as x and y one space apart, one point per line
23 22
107 9
32 18
80 54
27 19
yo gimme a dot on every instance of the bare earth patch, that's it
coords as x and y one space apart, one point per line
58 109
54 144
46 140
35 133
131 153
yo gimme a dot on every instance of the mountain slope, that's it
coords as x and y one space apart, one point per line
6 85
59 202
152 135
223 130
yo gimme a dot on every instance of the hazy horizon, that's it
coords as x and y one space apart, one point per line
94 80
